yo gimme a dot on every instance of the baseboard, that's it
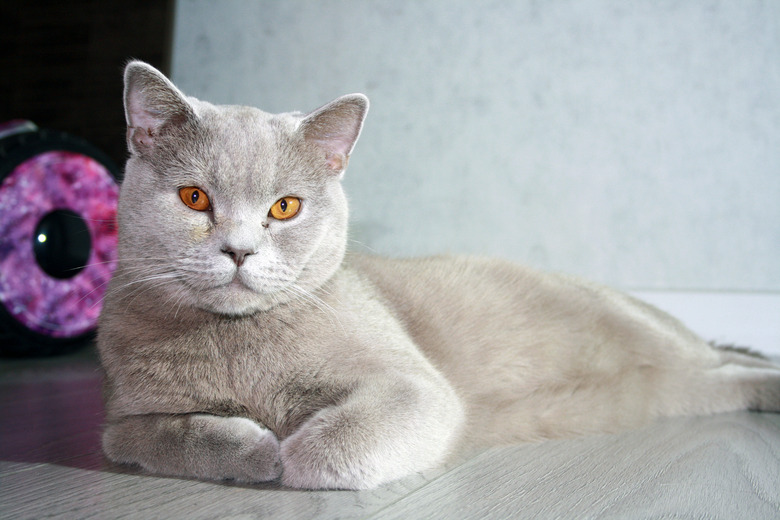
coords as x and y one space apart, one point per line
743 319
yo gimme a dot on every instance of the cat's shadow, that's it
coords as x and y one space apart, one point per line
136 471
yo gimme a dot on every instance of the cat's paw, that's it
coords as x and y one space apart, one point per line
311 465
196 445
258 457
251 453
327 454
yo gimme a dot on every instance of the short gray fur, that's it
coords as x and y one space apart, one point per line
240 345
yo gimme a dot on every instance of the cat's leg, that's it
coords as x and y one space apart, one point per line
195 445
383 431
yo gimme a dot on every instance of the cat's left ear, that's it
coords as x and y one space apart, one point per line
335 128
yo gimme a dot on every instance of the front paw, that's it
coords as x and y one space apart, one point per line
198 445
307 466
251 452
328 453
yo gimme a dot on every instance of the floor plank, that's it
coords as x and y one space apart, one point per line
49 490
726 465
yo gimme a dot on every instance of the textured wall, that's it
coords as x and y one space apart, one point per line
637 143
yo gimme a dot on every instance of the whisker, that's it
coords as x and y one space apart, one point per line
102 286
363 246
160 280
141 290
318 302
94 290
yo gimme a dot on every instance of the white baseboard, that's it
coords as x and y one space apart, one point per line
743 319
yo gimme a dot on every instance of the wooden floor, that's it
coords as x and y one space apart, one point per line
725 466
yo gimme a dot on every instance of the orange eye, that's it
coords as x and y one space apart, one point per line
286 207
195 198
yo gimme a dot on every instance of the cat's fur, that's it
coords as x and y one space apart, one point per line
238 346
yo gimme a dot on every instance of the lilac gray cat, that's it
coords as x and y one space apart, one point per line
240 341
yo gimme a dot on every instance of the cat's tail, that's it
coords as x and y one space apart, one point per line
744 379
743 355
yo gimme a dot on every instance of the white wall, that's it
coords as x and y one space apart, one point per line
636 143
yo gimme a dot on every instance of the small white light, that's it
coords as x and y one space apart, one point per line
41 238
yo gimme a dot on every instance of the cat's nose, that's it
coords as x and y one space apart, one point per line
237 255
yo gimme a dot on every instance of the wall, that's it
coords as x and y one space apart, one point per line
636 143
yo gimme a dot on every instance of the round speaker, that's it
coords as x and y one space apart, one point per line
58 236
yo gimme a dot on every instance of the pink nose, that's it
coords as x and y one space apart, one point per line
237 255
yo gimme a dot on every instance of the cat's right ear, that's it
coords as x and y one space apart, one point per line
152 105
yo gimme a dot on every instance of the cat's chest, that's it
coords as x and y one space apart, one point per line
277 368
278 375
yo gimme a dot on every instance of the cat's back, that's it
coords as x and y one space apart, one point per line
516 342
465 308
478 316
448 286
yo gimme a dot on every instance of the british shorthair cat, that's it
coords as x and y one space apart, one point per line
239 340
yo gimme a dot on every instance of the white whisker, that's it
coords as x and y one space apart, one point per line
363 246
318 302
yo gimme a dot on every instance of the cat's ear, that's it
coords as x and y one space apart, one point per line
152 104
335 128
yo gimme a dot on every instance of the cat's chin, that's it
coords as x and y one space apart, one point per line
236 302
236 299
235 309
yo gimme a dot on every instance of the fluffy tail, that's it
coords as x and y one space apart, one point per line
746 379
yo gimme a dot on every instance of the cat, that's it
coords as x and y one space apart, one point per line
240 341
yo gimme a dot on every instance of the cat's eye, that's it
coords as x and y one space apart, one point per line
286 207
195 198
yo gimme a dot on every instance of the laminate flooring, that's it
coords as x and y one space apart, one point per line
723 466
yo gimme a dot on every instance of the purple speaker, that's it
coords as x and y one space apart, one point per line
58 199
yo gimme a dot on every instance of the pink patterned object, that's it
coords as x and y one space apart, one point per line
56 180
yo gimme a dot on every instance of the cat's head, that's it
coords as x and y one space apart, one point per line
227 208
